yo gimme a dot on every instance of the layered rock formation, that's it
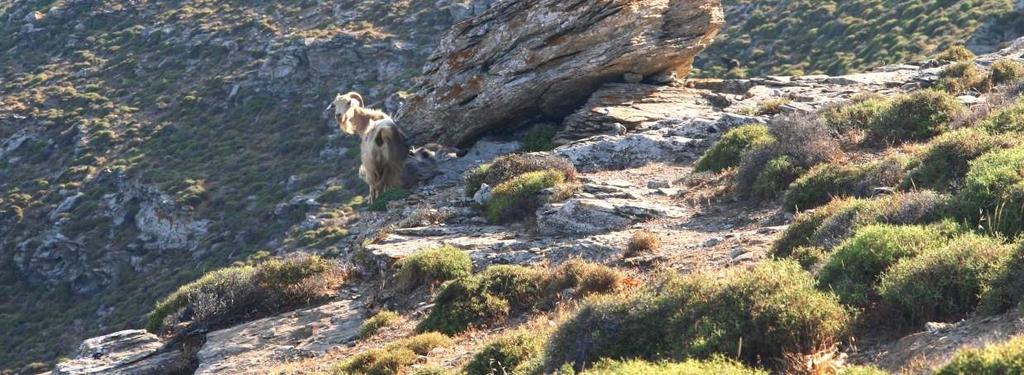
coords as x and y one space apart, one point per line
530 60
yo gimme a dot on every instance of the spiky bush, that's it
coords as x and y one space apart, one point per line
915 117
826 181
236 294
995 359
507 167
392 359
1006 290
1007 72
956 53
728 151
945 160
1008 120
378 321
854 267
508 354
521 196
993 192
942 284
801 142
962 77
432 266
857 115
642 242
773 307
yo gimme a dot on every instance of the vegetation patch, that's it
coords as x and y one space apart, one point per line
512 353
642 242
504 290
380 320
242 293
993 192
1007 72
1006 290
521 196
715 365
392 359
432 267
942 284
915 117
539 138
728 151
964 76
854 267
801 142
1003 358
945 160
771 107
956 53
506 167
1007 120
382 201
855 116
826 181
756 314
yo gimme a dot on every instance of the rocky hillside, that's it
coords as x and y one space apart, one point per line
798 37
166 166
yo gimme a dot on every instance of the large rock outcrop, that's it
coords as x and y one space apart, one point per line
529 60
125 353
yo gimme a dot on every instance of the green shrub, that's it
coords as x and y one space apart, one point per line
809 257
539 138
861 370
915 117
956 53
996 359
1007 120
506 167
1006 290
235 294
503 290
806 223
382 319
432 266
1006 71
392 359
854 268
771 107
942 284
521 196
858 115
778 173
993 192
771 310
964 76
381 203
944 162
826 181
509 354
728 151
716 365
433 370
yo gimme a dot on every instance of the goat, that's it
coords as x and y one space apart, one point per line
382 149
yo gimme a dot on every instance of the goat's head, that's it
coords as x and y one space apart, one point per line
344 110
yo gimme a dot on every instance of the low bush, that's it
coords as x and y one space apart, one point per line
799 233
1007 72
915 117
539 138
955 54
382 319
236 294
944 162
1009 119
507 167
509 354
717 366
996 359
855 116
822 183
432 266
993 192
503 290
801 142
392 359
1006 290
757 314
381 203
728 151
521 196
855 266
962 77
861 370
809 257
642 242
942 284
771 107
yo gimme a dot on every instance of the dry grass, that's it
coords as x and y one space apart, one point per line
642 242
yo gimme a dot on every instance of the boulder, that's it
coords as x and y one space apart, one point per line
529 60
630 151
595 216
125 353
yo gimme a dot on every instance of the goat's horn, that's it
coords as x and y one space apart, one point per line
356 96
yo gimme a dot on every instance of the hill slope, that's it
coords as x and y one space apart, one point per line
796 37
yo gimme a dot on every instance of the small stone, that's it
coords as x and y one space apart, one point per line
737 251
658 184
712 242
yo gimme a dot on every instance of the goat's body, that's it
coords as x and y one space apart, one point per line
383 152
